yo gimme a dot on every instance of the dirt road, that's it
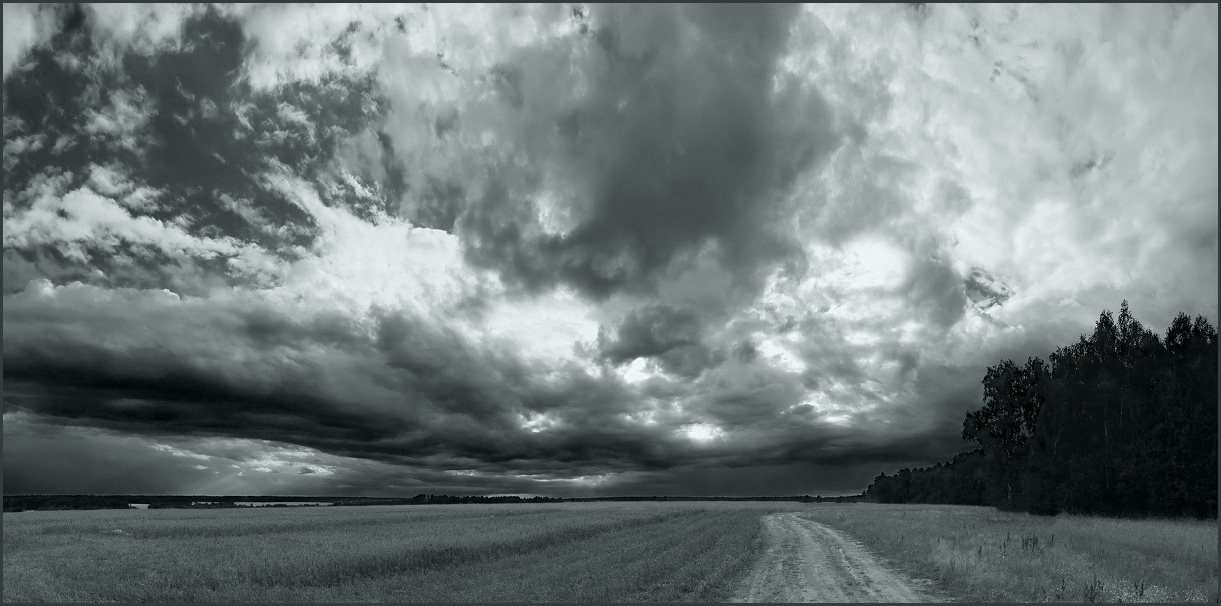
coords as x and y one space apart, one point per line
808 562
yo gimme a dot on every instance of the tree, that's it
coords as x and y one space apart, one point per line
1120 423
1005 423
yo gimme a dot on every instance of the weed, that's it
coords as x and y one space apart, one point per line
1093 591
1030 544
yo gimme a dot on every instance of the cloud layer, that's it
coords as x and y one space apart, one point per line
569 249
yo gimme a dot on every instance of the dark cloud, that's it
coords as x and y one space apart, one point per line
243 261
934 286
417 389
61 463
403 391
674 144
984 289
670 336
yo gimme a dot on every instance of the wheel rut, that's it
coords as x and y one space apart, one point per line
809 562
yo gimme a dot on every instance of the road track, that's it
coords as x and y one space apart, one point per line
809 562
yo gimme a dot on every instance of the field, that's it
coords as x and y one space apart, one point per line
607 552
979 554
576 552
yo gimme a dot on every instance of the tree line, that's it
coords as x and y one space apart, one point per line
15 503
1122 422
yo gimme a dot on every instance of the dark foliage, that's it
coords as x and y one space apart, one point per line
1122 422
59 502
959 482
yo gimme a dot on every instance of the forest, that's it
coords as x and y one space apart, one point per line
1122 423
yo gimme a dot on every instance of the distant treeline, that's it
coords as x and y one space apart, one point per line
56 502
797 498
444 499
1120 423
53 502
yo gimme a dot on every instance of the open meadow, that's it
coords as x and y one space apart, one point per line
576 552
979 554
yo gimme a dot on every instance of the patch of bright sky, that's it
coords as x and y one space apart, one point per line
394 265
778 353
872 262
593 480
178 452
824 408
546 327
358 265
701 432
285 461
227 458
582 480
535 422
641 417
636 371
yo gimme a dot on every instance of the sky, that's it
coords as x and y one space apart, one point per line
573 250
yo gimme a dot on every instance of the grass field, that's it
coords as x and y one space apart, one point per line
607 552
576 552
983 555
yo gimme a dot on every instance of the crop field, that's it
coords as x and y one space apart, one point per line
576 552
616 552
982 555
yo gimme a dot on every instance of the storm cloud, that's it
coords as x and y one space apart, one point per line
573 250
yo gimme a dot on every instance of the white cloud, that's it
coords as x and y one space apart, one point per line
142 28
545 327
15 147
25 27
389 264
82 221
110 182
245 209
179 452
295 43
701 432
123 120
295 116
1070 149
62 143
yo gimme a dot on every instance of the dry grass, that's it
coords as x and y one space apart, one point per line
611 552
575 552
984 555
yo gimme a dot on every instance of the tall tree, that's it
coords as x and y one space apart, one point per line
1121 422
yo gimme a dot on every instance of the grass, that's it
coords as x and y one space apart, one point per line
983 555
609 552
577 552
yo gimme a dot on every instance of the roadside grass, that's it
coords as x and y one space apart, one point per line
982 555
610 552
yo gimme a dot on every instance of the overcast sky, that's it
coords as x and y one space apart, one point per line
568 250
